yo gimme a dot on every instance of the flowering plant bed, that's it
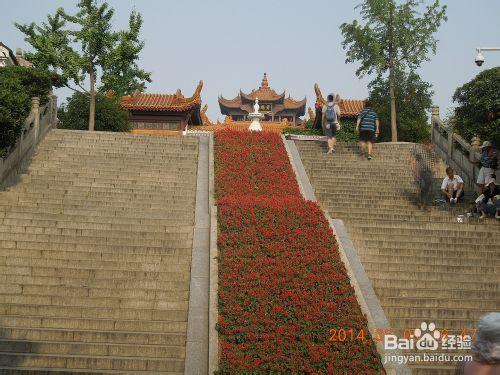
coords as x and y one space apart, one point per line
283 288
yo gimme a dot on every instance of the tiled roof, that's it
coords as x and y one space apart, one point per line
294 104
351 107
162 102
263 93
348 107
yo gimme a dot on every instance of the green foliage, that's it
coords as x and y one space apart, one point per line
17 86
73 46
347 131
478 110
395 37
392 34
413 100
84 45
110 116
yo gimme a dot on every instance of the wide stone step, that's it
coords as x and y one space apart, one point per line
428 260
81 362
450 303
383 250
114 350
438 293
9 280
382 281
86 336
177 258
92 324
93 312
173 247
174 232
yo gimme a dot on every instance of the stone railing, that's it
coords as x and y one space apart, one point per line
40 120
456 151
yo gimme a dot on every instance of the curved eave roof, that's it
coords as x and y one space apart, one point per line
162 102
295 104
263 95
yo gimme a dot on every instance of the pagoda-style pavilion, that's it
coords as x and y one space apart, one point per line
154 112
274 106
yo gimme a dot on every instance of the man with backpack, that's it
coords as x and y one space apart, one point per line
330 121
368 127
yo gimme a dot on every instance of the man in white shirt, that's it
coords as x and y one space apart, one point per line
452 186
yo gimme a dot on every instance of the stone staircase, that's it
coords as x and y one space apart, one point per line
95 255
424 266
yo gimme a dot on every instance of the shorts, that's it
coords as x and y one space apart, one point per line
484 175
367 136
454 195
330 130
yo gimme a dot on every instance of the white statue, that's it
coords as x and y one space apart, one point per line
255 116
256 106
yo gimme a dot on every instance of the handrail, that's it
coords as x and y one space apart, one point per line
454 149
38 122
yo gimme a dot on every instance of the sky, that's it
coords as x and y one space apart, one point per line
229 44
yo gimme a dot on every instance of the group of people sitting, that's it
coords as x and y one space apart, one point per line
488 202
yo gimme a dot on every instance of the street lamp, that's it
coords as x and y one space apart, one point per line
480 58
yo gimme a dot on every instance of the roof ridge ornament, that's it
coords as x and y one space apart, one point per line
265 82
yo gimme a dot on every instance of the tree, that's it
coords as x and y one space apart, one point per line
110 116
478 110
17 86
395 37
413 99
84 46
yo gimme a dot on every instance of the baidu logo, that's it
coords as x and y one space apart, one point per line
427 337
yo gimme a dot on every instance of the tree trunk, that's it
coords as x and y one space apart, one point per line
92 99
392 76
392 93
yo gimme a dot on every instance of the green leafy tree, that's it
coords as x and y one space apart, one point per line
394 37
17 86
413 100
110 116
84 46
478 110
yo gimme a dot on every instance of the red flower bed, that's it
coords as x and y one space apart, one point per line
282 284
252 164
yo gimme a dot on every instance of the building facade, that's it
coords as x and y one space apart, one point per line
274 106
155 112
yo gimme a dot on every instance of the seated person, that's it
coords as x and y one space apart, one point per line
452 186
489 202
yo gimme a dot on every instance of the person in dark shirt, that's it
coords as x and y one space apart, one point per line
368 127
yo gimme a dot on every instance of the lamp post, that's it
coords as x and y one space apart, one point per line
480 58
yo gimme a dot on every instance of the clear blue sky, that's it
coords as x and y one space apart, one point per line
230 43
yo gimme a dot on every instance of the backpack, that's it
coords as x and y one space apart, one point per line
331 115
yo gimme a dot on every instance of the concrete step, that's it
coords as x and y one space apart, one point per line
92 362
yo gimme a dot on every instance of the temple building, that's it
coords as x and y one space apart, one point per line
274 106
155 112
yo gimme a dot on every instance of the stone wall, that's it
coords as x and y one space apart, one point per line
40 120
454 150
